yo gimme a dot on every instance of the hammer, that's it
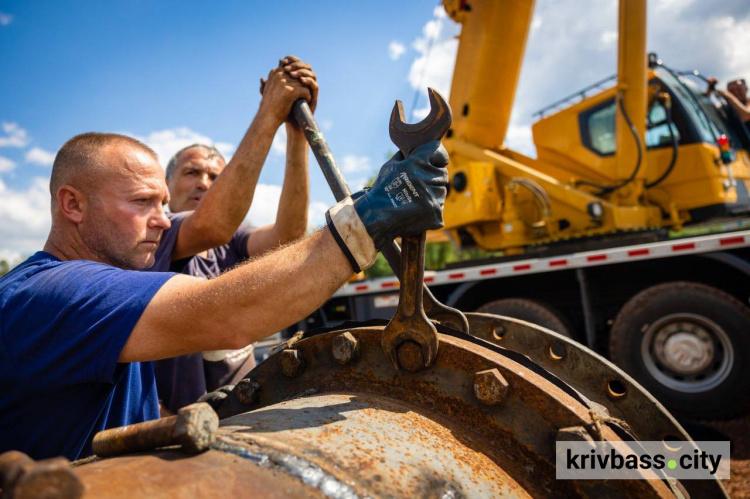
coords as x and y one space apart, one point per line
193 429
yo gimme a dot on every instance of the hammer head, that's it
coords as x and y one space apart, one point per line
196 427
407 137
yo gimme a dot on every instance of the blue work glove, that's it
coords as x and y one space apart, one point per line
407 198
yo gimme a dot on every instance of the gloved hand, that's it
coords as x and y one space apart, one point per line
407 198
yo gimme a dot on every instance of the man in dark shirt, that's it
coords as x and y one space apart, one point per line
78 327
190 174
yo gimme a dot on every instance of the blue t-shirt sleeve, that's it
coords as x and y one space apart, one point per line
68 323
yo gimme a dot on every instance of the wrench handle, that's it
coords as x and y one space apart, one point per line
303 114
412 273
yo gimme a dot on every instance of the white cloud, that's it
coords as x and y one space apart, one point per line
359 170
326 125
355 164
278 146
40 156
395 50
437 49
316 215
24 217
6 165
609 37
13 258
16 136
5 19
265 205
167 142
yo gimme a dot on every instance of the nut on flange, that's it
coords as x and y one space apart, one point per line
291 362
490 387
248 391
345 348
410 356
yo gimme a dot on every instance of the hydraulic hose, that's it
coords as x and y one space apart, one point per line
675 148
606 189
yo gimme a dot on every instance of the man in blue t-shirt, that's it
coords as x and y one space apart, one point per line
78 327
190 174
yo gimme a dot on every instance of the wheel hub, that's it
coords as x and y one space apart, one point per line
684 348
687 352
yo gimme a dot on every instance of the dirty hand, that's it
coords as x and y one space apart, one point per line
406 199
279 92
304 73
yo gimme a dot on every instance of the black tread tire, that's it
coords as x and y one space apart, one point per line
528 310
729 399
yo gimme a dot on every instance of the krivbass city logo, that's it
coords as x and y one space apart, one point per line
591 460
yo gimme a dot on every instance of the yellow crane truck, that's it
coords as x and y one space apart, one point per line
628 231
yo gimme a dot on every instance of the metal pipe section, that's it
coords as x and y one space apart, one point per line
631 88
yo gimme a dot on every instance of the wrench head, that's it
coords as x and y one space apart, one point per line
406 329
407 136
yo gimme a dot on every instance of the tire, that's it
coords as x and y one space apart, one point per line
533 311
689 345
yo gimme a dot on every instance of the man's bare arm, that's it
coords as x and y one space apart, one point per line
225 205
743 110
241 306
258 298
291 217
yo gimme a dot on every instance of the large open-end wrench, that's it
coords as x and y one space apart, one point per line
410 339
392 253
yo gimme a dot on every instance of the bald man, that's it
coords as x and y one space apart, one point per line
79 327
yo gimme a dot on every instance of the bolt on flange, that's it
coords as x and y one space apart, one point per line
248 391
291 362
345 348
490 387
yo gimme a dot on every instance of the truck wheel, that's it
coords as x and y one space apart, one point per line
533 311
689 345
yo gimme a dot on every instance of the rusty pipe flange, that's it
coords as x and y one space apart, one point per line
512 423
591 374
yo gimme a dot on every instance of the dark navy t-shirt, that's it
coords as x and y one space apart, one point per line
62 327
181 380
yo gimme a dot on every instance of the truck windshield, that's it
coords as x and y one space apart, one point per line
701 111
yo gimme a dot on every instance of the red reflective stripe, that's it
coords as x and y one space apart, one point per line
596 258
640 252
459 275
488 272
731 240
682 247
521 267
557 263
429 279
360 288
389 284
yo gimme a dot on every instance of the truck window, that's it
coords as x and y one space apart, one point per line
657 128
598 128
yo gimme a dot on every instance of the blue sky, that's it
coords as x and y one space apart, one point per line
172 73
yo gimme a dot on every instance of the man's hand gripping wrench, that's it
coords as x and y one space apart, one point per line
410 339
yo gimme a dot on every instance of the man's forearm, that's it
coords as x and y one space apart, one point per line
291 218
225 205
240 306
743 110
